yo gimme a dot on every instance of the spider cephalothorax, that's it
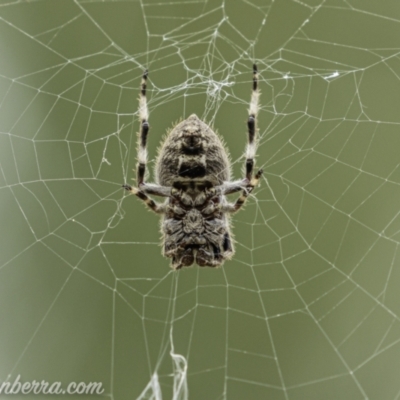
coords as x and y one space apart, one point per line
193 173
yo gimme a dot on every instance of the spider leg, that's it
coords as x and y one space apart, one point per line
154 206
144 130
146 188
247 184
236 186
237 205
252 126
156 190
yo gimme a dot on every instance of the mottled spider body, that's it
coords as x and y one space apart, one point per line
192 151
193 173
192 161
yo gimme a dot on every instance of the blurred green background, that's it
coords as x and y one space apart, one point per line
309 307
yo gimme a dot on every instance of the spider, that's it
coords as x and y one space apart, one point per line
193 174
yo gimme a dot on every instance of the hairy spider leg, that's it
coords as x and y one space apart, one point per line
248 184
142 158
242 199
158 208
144 131
252 125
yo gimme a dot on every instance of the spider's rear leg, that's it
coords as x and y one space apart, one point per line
249 182
144 131
252 126
146 189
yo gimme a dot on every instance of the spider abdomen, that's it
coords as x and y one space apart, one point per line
192 150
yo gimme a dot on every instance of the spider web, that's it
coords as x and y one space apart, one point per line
308 308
